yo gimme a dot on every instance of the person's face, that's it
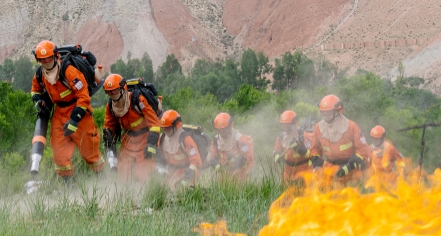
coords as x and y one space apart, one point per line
224 132
286 127
377 141
114 94
328 116
47 62
168 130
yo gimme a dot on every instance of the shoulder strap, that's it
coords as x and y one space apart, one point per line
64 64
135 101
281 136
39 76
215 140
182 137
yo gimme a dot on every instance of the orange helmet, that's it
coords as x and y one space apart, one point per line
114 81
331 102
288 117
378 132
45 49
170 118
222 120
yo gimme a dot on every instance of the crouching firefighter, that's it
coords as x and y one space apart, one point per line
291 148
231 153
339 143
141 132
72 123
180 152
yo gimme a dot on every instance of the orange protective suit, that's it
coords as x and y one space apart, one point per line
351 143
180 161
236 162
86 138
131 162
294 163
384 158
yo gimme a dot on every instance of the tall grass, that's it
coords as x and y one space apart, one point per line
103 206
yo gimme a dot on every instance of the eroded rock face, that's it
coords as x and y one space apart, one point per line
342 31
275 27
110 29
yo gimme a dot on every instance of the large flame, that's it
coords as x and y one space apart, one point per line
387 204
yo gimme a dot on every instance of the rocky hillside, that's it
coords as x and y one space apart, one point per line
373 35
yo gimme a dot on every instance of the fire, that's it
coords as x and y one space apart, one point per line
220 228
387 204
404 207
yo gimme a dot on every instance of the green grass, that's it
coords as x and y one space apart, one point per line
103 206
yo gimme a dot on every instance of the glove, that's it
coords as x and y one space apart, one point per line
356 162
108 138
353 163
149 151
40 105
317 162
236 161
75 117
300 148
153 138
189 174
343 171
215 163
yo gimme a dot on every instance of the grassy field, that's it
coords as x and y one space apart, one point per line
103 206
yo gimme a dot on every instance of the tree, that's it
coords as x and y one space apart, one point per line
279 79
23 74
249 67
120 68
170 66
147 68
7 72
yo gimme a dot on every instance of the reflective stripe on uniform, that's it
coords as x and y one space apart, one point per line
62 168
345 146
97 163
65 93
180 157
33 93
156 129
136 123
326 149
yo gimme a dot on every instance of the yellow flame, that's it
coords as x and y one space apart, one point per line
409 205
218 229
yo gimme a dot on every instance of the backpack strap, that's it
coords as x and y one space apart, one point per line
281 136
64 64
135 101
182 137
39 76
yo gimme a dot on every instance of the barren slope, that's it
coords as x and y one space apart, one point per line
277 26
373 35
382 33
108 28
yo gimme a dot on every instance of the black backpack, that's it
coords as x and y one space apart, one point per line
82 60
138 87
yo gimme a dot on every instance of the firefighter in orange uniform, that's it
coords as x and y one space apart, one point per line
180 152
384 155
291 148
141 132
72 122
231 152
339 142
